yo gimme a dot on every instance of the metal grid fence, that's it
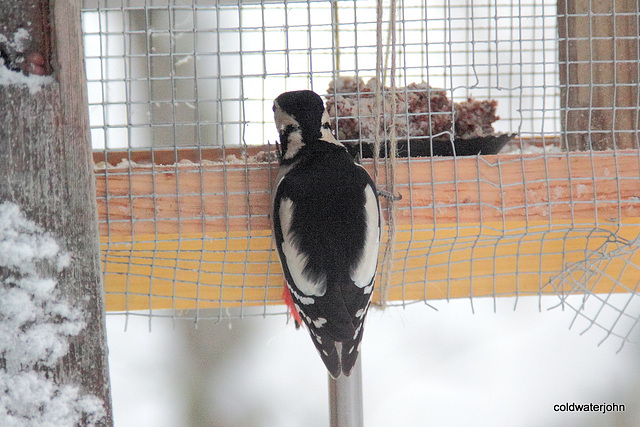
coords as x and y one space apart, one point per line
180 96
193 74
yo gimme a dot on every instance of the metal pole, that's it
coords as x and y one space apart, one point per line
345 399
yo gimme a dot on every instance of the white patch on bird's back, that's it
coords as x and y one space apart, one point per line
360 313
306 318
304 300
357 331
295 259
319 322
282 174
365 268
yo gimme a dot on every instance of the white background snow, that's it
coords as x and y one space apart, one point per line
420 366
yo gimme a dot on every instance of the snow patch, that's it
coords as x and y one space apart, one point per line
20 37
33 82
183 61
8 77
532 149
582 190
35 325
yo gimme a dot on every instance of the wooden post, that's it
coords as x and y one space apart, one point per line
46 169
598 55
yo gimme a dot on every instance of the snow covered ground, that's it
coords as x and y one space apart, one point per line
420 366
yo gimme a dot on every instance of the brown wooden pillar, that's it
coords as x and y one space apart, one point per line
46 169
598 55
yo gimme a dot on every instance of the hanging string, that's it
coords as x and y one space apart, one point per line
387 262
336 34
378 91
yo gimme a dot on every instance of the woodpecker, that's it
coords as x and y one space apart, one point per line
326 225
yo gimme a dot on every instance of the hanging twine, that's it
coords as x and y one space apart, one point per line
387 261
378 92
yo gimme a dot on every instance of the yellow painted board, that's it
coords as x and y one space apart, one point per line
191 235
175 271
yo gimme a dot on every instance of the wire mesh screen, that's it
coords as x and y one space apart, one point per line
194 74
515 123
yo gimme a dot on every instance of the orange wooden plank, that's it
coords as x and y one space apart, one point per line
214 197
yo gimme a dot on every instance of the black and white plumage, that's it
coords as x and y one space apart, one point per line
326 222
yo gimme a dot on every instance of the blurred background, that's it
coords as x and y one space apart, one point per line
448 367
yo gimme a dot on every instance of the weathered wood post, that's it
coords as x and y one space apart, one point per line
46 168
599 74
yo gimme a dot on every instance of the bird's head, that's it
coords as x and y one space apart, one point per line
301 119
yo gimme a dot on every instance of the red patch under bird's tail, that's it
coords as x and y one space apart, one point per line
286 296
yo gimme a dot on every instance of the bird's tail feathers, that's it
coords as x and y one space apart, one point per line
330 357
339 322
349 355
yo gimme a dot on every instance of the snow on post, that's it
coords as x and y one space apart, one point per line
35 325
53 355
